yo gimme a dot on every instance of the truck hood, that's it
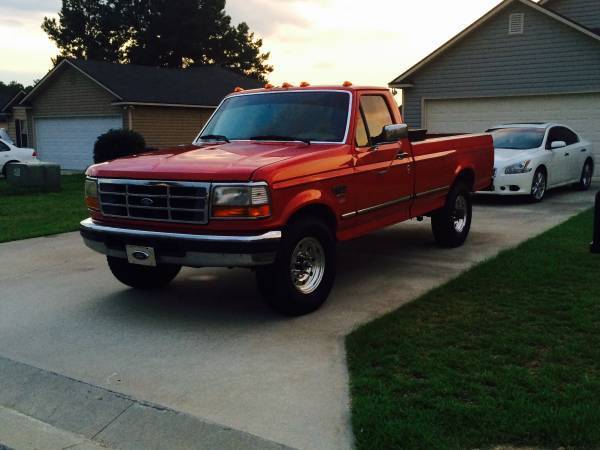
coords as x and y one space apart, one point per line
235 161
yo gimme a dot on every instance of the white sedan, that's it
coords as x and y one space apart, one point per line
534 157
11 154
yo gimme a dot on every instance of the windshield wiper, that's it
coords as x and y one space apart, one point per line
277 137
214 137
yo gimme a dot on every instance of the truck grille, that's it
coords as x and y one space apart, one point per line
165 201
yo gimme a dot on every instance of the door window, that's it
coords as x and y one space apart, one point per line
377 116
362 137
561 134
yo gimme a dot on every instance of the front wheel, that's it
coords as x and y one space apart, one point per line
586 176
142 277
539 186
452 223
302 276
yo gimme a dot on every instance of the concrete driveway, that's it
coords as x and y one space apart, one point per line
208 346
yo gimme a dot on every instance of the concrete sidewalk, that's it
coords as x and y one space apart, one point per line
208 347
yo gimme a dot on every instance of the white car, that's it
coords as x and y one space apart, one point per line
11 154
532 158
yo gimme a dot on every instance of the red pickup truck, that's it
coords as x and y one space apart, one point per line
274 180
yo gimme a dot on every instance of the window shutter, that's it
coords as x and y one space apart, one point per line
516 23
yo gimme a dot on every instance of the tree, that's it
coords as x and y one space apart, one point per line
9 90
164 33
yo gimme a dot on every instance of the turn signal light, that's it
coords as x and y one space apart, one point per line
92 203
347 83
305 84
225 212
238 89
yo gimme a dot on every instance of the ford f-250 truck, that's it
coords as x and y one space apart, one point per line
274 180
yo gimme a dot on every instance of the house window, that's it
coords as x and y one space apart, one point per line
516 23
21 132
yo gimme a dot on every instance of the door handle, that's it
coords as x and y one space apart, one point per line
583 150
402 156
567 154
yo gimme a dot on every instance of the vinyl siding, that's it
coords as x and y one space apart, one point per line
71 93
584 12
168 126
549 57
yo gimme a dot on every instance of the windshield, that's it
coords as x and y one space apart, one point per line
310 116
518 138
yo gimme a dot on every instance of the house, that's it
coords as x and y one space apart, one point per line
78 100
6 117
521 62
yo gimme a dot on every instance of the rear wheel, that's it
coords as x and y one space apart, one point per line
452 223
538 186
5 168
586 176
302 276
142 277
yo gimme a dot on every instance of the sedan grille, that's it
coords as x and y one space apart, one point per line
166 201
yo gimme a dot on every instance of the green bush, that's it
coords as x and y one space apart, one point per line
117 144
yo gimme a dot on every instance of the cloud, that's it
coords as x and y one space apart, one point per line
29 6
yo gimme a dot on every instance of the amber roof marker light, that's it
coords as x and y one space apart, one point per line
268 86
287 85
305 84
347 84
238 89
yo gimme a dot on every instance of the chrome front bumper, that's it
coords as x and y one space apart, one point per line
192 250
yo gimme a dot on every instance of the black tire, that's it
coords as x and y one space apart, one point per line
6 167
539 186
452 223
142 277
587 173
293 297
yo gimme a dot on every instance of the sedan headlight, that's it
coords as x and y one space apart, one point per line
241 202
91 193
522 167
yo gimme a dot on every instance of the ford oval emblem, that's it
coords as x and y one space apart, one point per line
141 256
147 201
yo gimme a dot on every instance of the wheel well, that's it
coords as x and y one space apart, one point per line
467 176
542 167
589 159
6 165
319 211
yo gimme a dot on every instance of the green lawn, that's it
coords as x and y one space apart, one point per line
506 354
27 213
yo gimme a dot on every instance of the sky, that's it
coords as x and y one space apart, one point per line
319 41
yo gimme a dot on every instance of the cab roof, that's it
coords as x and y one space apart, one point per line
313 88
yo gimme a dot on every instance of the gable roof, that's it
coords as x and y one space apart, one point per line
403 80
134 84
9 100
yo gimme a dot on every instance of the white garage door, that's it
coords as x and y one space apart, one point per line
70 141
579 111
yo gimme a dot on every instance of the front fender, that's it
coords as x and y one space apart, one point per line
306 198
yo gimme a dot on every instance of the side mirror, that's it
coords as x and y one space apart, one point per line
558 144
395 132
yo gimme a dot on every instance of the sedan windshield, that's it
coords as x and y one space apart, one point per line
320 116
518 138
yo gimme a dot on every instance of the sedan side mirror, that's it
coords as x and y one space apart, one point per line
558 144
395 132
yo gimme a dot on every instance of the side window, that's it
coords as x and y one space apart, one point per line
377 115
362 138
570 137
553 136
4 147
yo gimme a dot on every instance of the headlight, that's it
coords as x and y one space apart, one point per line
240 202
91 193
522 167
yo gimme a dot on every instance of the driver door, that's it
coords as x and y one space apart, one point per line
382 168
560 168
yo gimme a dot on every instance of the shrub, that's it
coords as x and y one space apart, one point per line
118 143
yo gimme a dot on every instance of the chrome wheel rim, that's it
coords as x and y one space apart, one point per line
459 214
538 189
307 266
587 175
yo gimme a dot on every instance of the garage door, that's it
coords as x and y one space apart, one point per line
579 111
70 141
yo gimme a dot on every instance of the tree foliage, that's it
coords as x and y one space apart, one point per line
9 90
166 33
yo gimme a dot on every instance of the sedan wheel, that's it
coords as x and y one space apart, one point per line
539 185
586 176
